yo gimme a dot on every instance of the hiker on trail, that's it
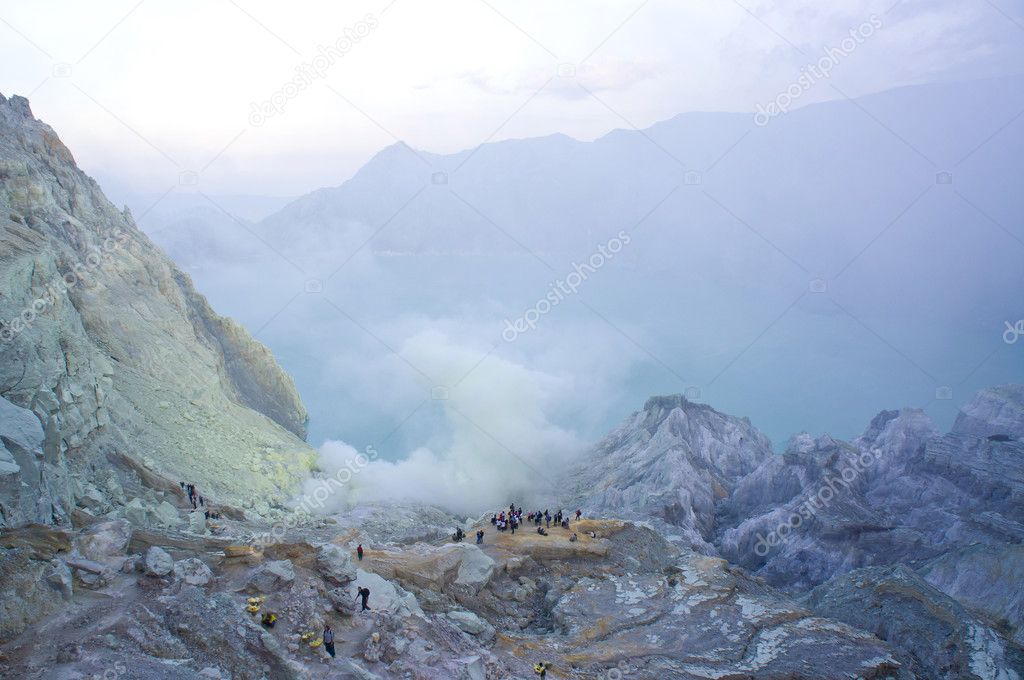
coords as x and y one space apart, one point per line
547 519
573 538
359 551
182 485
200 500
269 619
565 524
480 537
329 637
540 669
541 531
579 513
494 520
365 594
207 514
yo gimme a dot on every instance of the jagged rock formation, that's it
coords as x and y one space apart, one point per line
900 493
672 461
986 579
951 506
122 363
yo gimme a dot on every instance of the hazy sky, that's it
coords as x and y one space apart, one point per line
143 91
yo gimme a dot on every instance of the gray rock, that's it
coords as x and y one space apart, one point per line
986 579
105 540
30 589
669 462
386 596
933 636
335 564
475 568
997 411
272 576
158 562
471 623
197 522
193 571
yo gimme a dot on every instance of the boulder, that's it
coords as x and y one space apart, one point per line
89 573
158 562
193 571
197 522
385 595
475 568
469 622
272 576
335 564
105 540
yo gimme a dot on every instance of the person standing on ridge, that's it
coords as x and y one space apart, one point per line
359 551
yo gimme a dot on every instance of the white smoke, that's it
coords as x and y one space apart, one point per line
502 446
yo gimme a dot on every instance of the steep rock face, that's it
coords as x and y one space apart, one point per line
996 412
671 462
900 493
951 505
815 511
933 635
108 344
988 579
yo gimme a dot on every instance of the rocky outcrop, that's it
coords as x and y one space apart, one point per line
996 412
671 462
335 564
950 505
933 636
987 579
114 354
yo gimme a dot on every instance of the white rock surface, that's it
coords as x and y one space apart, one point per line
193 571
335 564
158 562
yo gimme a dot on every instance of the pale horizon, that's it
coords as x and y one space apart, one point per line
182 101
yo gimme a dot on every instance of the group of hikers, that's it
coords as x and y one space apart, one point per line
193 496
198 501
513 519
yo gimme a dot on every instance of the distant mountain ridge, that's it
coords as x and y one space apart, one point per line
843 159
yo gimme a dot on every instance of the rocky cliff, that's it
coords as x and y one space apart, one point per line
948 506
112 367
671 462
